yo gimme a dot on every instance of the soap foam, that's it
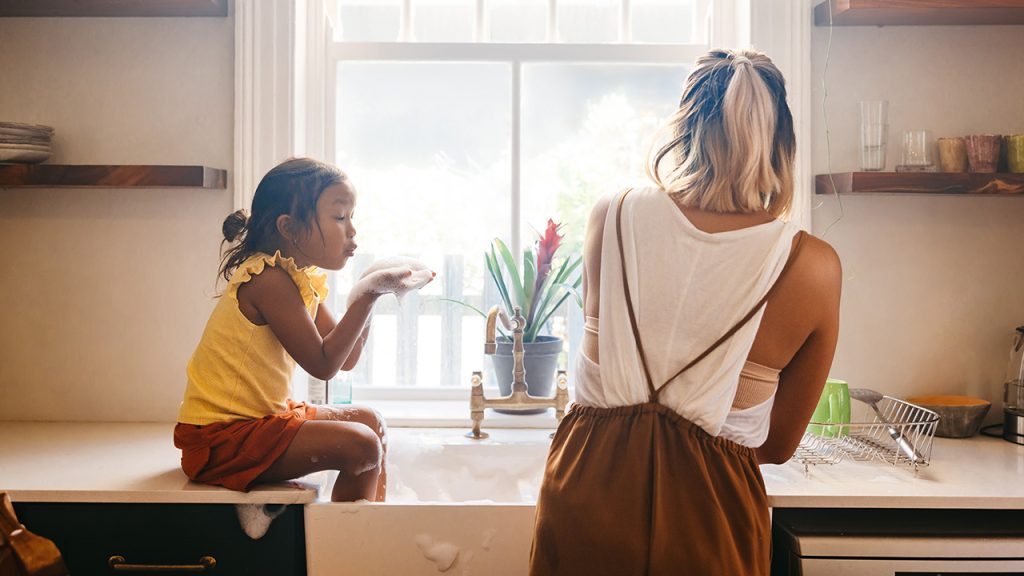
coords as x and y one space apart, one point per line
255 519
397 275
442 554
488 538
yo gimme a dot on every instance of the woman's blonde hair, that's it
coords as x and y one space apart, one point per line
732 144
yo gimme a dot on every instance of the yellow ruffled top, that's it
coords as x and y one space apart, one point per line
241 370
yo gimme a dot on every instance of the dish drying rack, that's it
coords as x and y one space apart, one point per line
863 440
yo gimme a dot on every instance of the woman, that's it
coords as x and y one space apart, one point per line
718 323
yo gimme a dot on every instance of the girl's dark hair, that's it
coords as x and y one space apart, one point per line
293 187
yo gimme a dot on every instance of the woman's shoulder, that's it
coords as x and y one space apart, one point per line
817 267
818 254
609 202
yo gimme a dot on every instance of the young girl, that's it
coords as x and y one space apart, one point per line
237 426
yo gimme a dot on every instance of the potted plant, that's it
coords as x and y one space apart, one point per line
538 289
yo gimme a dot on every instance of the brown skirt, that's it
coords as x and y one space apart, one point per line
640 490
233 454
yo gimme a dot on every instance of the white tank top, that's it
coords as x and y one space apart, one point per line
689 287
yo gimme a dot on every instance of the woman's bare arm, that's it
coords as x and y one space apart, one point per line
816 285
592 272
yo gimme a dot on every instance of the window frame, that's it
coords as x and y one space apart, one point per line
514 55
729 24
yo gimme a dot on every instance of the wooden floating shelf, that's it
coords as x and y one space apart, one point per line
920 12
113 8
973 184
96 176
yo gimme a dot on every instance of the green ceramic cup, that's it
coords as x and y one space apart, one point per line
1015 152
833 408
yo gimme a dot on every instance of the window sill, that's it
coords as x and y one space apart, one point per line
453 414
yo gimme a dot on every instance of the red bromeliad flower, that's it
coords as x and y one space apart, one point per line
547 245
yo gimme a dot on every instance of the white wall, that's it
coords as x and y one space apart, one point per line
933 285
105 292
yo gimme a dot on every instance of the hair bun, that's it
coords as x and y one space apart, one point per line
234 225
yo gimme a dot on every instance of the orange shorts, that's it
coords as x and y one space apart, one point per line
233 454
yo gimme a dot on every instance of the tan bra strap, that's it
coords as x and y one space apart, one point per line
629 299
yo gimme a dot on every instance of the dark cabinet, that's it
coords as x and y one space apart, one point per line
90 534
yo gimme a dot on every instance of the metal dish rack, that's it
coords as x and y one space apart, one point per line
870 440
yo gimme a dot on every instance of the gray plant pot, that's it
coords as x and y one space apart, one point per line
540 359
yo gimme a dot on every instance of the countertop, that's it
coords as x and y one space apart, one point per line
122 462
979 472
115 463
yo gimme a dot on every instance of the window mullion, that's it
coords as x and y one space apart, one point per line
480 24
515 161
500 52
405 26
552 31
625 21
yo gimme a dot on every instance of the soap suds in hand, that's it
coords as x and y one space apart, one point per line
397 274
442 554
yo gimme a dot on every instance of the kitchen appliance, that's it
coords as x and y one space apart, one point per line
1013 391
900 542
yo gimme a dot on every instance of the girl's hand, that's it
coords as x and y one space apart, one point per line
396 275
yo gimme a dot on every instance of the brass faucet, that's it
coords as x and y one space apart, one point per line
519 399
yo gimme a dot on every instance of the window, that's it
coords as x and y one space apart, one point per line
464 120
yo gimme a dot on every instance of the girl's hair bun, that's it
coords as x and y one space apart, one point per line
234 225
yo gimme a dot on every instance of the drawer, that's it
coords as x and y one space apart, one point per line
88 535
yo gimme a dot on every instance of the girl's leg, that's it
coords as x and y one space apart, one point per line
351 448
372 419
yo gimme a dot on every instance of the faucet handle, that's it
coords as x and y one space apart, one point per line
518 321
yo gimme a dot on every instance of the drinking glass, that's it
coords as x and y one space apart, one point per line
983 152
952 154
1014 145
874 112
916 153
874 127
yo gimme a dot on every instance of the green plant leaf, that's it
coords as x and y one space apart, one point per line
544 318
513 272
550 290
567 268
575 293
459 302
499 280
529 277
471 307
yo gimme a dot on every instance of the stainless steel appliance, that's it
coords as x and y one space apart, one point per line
900 542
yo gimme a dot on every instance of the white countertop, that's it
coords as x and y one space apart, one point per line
979 472
104 462
107 462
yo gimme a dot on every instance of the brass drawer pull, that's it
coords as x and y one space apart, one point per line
118 563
